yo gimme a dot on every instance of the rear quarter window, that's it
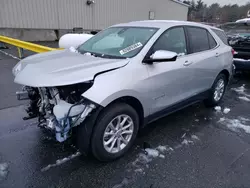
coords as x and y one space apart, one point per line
212 42
221 35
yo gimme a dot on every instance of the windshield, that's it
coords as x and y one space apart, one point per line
118 42
241 29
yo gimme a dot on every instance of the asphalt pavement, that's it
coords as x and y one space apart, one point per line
194 148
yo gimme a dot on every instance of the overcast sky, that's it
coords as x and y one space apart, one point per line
225 2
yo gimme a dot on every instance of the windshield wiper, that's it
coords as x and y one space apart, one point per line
111 56
106 56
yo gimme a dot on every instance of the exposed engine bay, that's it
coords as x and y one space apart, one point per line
58 109
55 83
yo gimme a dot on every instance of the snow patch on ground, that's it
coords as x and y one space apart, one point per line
244 98
171 149
162 148
217 108
139 170
226 110
124 183
183 135
141 161
244 119
178 146
148 155
162 156
240 90
144 159
235 125
3 170
152 152
61 161
222 119
194 137
187 142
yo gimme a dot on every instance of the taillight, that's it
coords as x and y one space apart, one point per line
233 51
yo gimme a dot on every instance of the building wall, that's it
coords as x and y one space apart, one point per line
67 14
28 14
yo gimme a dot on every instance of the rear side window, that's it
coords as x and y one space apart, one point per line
212 42
221 35
198 38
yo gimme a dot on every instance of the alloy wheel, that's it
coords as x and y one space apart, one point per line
118 133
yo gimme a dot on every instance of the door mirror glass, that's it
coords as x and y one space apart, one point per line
164 55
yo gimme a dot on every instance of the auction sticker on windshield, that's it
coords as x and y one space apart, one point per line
130 48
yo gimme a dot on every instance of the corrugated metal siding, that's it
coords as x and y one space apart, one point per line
28 13
111 12
66 14
74 13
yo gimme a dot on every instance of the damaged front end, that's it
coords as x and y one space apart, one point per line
59 109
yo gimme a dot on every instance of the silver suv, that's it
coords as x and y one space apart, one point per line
121 79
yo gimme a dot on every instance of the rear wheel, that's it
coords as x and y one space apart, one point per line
115 132
217 91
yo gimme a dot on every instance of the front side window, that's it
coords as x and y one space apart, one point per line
198 39
118 42
172 40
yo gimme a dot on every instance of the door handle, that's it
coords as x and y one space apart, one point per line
217 54
187 63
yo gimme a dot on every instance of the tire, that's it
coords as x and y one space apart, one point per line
212 100
112 114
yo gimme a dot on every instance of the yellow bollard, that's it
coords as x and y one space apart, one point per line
20 52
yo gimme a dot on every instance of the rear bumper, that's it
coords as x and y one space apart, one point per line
242 64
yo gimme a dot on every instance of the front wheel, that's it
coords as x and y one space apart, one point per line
217 91
115 132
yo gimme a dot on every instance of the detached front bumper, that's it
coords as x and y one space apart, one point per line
242 64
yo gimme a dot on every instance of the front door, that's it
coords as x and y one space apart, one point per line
167 79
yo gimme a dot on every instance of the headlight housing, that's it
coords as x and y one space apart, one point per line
17 68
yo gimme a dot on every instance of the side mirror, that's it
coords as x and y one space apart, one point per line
161 56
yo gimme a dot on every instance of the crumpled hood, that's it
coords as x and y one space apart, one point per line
238 39
62 67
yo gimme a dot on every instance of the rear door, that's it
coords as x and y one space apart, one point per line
204 58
